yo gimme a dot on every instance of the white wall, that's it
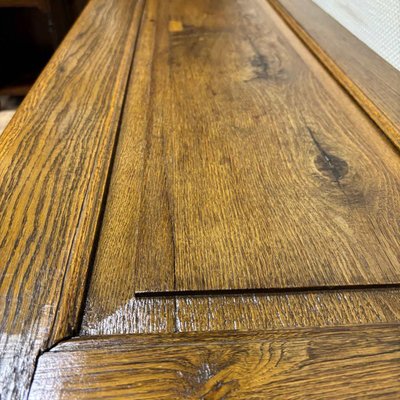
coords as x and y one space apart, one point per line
375 22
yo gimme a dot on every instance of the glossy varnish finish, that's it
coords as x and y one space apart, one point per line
290 310
339 363
239 163
113 279
204 313
373 82
54 160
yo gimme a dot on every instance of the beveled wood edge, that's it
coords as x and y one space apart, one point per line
72 299
124 366
138 340
378 115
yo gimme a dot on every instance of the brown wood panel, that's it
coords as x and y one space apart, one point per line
341 363
54 160
114 315
259 171
373 82
287 310
111 306
105 316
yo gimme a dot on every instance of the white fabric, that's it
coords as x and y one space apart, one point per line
375 22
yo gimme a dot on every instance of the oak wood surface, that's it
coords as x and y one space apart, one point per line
245 166
287 310
340 363
113 277
373 82
240 163
114 315
54 160
108 315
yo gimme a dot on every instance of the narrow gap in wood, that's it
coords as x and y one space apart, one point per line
266 291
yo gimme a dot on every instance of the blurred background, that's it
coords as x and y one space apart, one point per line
30 31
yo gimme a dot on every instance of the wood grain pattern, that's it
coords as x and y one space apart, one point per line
54 160
258 170
132 315
238 312
111 306
339 363
290 310
373 82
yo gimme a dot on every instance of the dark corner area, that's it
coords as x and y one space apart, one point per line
30 31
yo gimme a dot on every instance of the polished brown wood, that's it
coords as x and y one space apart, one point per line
248 167
108 314
113 315
54 160
113 277
286 310
228 158
340 363
373 82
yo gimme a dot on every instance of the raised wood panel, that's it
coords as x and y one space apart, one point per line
246 166
373 82
341 363
54 160
240 163
265 169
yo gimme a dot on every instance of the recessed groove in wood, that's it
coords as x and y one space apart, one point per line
257 170
340 363
54 160
374 83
